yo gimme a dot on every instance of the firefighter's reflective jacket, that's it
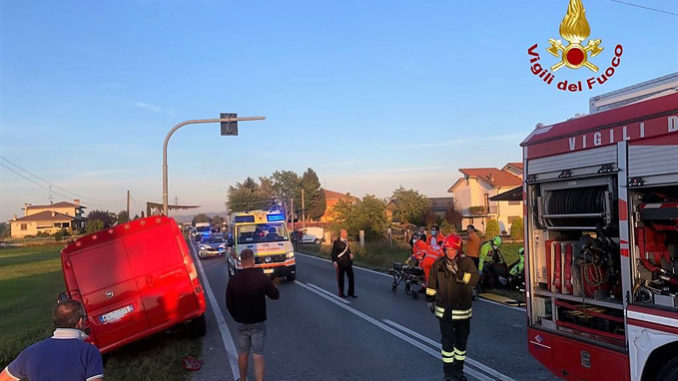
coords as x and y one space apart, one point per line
451 293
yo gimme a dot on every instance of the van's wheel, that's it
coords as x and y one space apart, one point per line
292 277
198 326
669 371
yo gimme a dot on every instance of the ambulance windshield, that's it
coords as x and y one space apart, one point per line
257 233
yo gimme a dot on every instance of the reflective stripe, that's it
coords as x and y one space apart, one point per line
467 278
439 314
458 352
461 317
461 312
431 291
441 309
448 360
448 354
459 357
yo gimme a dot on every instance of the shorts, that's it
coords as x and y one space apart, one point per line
251 337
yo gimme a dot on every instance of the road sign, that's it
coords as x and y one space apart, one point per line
229 128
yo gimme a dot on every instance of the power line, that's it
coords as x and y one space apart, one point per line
47 182
644 7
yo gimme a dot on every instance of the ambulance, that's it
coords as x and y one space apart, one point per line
265 233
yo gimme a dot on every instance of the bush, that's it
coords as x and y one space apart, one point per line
517 229
492 229
93 226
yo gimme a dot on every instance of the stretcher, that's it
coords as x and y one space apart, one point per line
411 275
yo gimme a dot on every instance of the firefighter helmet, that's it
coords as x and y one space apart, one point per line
452 241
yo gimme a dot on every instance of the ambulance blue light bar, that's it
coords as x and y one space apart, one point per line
275 217
244 218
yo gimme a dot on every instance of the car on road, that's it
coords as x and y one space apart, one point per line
313 235
212 245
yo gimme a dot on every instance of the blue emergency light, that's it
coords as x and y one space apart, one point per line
249 218
275 217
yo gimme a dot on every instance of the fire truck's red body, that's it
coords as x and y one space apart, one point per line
601 238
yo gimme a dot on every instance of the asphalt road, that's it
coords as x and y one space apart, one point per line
381 335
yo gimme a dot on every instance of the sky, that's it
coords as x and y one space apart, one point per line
372 95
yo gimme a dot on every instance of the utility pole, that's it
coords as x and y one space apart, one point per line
292 212
128 217
303 210
224 120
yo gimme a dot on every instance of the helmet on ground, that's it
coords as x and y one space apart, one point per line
496 242
452 241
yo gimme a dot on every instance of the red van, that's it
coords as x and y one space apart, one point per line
134 280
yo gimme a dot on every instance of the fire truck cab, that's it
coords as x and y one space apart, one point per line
601 238
265 233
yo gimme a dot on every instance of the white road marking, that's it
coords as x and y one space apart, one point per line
501 304
437 345
355 267
425 348
226 337
329 293
390 276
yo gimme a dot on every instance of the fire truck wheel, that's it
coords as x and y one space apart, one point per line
198 326
669 371
292 277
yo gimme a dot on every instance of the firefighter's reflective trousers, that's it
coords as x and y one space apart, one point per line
455 330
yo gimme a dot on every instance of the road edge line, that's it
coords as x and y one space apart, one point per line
226 337
355 267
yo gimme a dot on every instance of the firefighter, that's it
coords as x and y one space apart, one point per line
449 296
487 256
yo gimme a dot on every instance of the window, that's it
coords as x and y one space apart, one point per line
514 203
24 226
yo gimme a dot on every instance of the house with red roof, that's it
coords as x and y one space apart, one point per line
48 219
331 199
473 191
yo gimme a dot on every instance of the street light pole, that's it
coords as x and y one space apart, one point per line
178 126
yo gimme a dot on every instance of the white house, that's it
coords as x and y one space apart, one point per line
472 193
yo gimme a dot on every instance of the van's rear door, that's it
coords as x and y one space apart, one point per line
109 291
160 272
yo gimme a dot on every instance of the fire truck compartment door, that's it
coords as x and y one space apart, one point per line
580 163
657 163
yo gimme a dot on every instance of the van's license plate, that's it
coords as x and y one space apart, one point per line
116 315
268 271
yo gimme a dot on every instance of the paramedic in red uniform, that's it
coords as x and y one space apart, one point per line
425 256
449 292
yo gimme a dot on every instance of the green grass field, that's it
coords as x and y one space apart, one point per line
31 279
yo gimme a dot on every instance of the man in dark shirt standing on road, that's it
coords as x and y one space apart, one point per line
246 302
342 259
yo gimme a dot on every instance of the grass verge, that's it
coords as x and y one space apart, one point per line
31 279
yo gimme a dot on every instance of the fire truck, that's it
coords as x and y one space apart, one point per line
601 237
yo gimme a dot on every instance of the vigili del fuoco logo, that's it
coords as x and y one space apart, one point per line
575 54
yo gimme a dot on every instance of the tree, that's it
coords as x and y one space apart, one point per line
4 230
517 229
217 221
107 218
411 206
287 185
123 218
314 196
492 229
453 214
93 225
248 195
202 217
368 214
